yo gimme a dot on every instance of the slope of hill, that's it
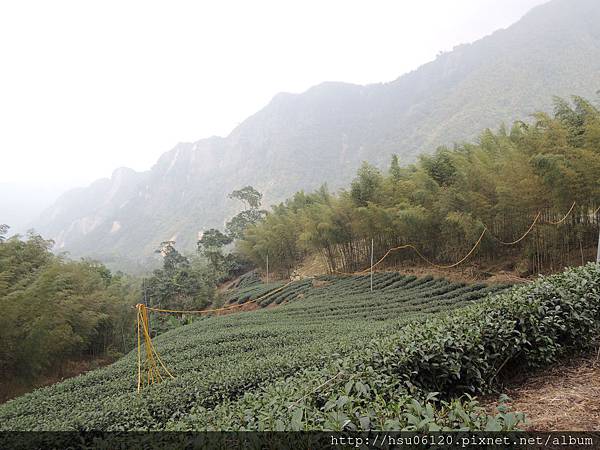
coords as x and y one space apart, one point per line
297 141
222 357
342 357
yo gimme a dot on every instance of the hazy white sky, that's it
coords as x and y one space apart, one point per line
86 87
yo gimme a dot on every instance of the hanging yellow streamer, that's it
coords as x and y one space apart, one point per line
155 370
153 363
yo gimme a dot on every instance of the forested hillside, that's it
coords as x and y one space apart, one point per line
524 198
298 141
55 310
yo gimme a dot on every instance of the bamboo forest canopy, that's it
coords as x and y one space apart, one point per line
535 169
55 311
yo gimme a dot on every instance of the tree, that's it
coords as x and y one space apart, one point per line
55 310
172 259
395 170
239 223
211 246
179 284
441 203
249 196
365 186
440 166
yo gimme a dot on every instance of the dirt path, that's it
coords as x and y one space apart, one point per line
563 398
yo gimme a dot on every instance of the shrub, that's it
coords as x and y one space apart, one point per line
389 384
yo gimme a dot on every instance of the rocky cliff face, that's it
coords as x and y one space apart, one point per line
321 136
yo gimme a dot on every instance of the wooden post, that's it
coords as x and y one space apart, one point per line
371 264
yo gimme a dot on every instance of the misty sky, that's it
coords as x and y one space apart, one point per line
86 87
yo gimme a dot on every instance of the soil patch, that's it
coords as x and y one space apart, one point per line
562 398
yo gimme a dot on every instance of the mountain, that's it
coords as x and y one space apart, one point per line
21 203
299 141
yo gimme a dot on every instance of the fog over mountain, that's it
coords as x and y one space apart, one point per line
21 203
299 141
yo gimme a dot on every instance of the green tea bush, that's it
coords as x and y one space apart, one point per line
252 292
219 359
342 357
411 379
247 279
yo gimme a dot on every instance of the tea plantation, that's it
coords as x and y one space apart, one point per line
335 355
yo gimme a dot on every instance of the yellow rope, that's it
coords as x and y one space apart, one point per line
485 229
565 217
153 361
153 372
153 352
423 257
522 237
139 348
451 265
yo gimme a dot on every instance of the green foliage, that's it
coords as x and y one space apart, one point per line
190 284
248 195
409 379
211 246
237 226
406 357
172 259
440 167
365 186
180 284
240 222
219 359
442 203
395 171
54 310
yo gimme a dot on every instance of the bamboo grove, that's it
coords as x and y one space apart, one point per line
442 203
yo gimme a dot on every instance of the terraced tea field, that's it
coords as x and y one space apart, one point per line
217 360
